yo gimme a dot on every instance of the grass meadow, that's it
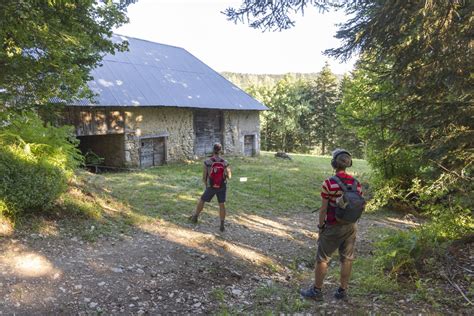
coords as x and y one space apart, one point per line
259 185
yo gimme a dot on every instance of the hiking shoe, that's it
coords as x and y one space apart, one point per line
222 228
340 294
193 219
312 293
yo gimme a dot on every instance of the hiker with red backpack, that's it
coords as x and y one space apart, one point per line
215 173
342 206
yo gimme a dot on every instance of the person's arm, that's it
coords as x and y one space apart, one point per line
204 175
322 213
228 172
359 188
324 205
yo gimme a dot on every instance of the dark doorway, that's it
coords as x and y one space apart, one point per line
109 147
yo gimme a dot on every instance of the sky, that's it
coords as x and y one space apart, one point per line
199 27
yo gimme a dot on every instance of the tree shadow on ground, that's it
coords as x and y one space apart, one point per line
130 249
162 268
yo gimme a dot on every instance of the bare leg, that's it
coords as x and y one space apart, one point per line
199 207
198 211
346 268
319 273
222 211
222 215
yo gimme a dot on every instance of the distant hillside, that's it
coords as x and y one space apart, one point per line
243 80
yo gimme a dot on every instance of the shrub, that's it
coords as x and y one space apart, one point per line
91 158
406 252
36 162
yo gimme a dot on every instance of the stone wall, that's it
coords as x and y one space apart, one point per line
237 125
175 124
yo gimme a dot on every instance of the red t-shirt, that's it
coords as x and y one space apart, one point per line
331 191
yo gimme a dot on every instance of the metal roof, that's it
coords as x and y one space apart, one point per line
153 74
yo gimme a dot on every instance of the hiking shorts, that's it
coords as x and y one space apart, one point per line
210 192
341 237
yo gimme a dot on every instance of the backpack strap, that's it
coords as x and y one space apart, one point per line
342 185
218 159
345 187
354 185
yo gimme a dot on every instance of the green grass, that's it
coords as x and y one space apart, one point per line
273 186
276 299
218 295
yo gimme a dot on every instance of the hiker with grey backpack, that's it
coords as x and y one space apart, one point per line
342 205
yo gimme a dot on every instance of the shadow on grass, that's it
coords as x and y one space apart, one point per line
144 243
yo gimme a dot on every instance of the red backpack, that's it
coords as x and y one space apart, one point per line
216 174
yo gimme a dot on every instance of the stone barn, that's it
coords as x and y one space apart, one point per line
158 103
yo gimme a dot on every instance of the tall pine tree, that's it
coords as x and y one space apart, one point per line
323 104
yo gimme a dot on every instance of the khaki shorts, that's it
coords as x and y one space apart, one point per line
334 237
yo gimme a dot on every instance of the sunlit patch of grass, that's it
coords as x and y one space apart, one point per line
273 187
72 205
86 209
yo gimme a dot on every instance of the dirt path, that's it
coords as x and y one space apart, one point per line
162 268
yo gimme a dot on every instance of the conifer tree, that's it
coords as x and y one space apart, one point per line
323 103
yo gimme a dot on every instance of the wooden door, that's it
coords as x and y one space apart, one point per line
159 151
249 145
146 153
152 152
208 129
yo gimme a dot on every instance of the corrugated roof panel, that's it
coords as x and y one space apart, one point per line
188 86
201 85
183 85
153 90
152 74
103 80
131 90
167 79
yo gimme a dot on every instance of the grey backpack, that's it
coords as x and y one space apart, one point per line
351 204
